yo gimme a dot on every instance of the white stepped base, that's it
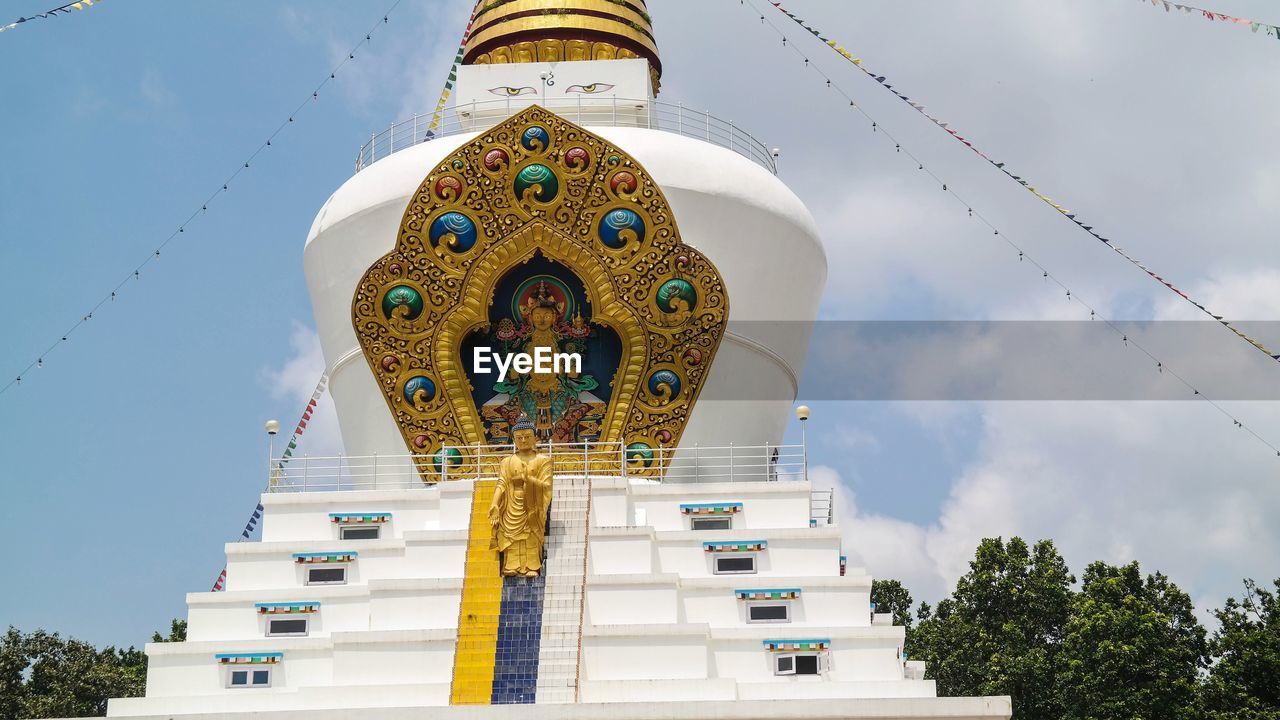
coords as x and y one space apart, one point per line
288 706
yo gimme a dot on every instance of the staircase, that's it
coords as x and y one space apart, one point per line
479 610
565 573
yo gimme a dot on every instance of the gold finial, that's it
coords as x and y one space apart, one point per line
525 31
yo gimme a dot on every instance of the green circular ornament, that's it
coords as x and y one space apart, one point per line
402 296
540 179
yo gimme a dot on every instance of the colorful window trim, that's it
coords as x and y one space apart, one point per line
844 562
288 608
249 658
324 557
725 508
735 546
812 645
771 594
359 518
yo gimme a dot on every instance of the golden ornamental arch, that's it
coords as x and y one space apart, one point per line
537 188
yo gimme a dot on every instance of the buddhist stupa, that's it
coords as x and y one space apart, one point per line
688 569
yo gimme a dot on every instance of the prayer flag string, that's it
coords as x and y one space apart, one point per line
60 10
136 273
277 470
1023 256
452 78
1212 16
1025 183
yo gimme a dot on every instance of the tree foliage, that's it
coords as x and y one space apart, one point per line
891 596
1133 648
1000 633
44 675
1244 683
1123 647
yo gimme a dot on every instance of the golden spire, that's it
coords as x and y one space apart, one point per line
523 31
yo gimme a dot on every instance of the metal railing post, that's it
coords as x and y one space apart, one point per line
393 137
615 124
732 128
306 467
444 463
679 118
375 471
708 116
414 139
767 465
731 477
373 147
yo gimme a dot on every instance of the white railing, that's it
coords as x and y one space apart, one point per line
599 111
682 465
822 507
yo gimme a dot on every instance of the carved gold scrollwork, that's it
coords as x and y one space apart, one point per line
538 184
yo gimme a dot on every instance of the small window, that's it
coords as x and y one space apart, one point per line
784 665
249 678
711 523
797 664
287 626
769 612
358 532
327 575
731 564
807 664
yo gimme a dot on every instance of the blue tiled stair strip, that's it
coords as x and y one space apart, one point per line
515 671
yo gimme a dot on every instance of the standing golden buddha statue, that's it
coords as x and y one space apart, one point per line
518 513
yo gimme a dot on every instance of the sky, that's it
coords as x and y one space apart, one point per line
137 449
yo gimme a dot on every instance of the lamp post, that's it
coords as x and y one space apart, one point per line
802 414
272 427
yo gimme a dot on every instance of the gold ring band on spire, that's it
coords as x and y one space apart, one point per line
606 28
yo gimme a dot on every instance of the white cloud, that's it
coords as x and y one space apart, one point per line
1170 484
155 92
294 382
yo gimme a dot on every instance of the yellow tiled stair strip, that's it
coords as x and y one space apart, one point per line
481 604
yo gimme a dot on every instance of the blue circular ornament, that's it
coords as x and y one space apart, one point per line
665 385
459 226
535 139
419 389
620 227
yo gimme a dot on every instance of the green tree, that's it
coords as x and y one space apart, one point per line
1244 681
890 596
1001 631
46 675
177 632
43 675
1133 648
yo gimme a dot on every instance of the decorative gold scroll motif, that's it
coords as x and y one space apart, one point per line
538 184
